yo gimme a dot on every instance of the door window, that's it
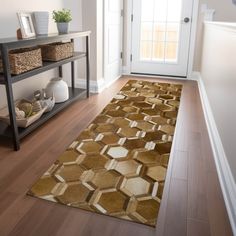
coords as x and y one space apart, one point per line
160 30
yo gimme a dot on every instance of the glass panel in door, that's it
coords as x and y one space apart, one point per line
160 30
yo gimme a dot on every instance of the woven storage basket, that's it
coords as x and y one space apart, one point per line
57 51
24 59
23 122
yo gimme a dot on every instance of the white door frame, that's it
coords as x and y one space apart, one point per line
105 59
128 38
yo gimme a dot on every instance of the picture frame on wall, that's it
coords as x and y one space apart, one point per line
26 24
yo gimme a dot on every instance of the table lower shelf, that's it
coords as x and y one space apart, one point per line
5 130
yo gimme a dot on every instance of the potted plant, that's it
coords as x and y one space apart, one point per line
62 18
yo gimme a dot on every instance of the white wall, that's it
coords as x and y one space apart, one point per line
92 13
217 87
218 72
225 10
9 24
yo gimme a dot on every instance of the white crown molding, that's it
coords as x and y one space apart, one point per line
227 182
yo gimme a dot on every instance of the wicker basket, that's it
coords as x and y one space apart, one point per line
57 51
24 122
24 59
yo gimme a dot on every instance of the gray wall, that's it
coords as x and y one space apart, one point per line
92 18
9 24
218 71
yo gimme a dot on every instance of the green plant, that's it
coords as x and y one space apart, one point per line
62 16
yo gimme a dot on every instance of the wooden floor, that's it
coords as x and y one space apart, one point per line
192 204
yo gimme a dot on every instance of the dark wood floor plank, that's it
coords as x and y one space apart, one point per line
197 194
219 226
75 223
32 219
17 210
180 167
197 228
176 216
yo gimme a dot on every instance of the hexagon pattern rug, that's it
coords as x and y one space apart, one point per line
117 166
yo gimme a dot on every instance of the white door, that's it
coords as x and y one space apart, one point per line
161 36
113 40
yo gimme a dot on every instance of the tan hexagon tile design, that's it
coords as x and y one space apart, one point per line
135 116
121 122
86 135
128 168
157 173
168 129
128 132
142 105
163 148
159 120
170 114
94 161
74 194
117 152
163 107
166 97
130 109
110 138
151 112
148 157
145 126
69 156
112 202
68 173
104 179
148 209
44 186
117 166
153 136
155 100
173 103
133 144
103 128
116 113
89 147
101 119
135 186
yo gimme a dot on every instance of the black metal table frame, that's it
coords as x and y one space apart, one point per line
9 44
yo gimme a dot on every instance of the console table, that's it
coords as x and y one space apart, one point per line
7 80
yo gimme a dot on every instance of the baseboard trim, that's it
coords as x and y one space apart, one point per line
225 175
95 86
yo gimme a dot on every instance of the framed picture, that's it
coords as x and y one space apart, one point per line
26 24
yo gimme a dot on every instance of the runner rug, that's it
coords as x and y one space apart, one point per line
117 166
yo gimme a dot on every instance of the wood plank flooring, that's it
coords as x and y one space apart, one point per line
192 203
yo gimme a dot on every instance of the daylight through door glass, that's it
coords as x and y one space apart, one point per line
160 27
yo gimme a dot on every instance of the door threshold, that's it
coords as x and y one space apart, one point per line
158 76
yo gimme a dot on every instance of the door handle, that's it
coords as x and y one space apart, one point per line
186 20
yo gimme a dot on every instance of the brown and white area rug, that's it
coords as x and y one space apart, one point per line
117 166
